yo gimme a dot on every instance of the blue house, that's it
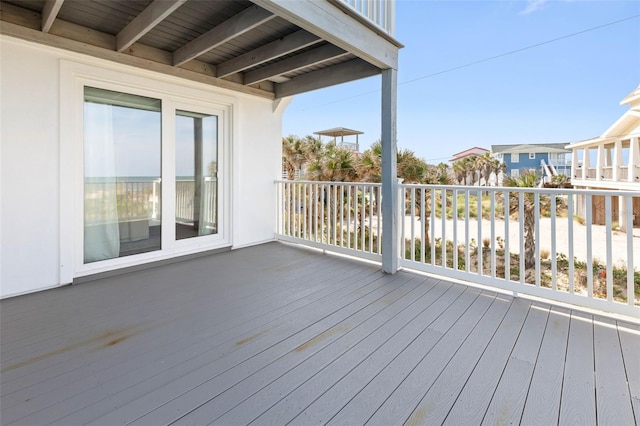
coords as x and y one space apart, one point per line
548 159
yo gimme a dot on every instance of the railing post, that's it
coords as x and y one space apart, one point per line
390 200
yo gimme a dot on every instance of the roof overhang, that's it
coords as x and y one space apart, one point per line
268 48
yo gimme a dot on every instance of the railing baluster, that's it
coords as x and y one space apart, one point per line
348 217
589 223
379 207
454 209
536 233
371 188
571 242
554 266
507 255
521 221
480 244
363 212
422 224
467 251
630 263
609 256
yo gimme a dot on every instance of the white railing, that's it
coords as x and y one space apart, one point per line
542 247
378 12
539 248
343 217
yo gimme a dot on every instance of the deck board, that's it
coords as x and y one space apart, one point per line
277 333
578 398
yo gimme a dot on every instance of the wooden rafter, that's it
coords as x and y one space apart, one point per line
341 73
143 23
294 63
49 13
244 21
288 44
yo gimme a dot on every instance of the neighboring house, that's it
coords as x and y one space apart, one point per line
549 158
611 162
137 132
471 152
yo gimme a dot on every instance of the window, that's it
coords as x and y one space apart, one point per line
515 173
515 158
532 156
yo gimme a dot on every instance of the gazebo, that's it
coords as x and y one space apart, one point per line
342 132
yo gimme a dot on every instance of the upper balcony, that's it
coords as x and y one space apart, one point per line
612 163
268 48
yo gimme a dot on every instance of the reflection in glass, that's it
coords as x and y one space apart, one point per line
196 174
122 145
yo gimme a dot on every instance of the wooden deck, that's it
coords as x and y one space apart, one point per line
275 334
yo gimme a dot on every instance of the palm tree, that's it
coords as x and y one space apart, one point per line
527 179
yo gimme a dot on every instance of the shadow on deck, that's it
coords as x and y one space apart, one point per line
274 333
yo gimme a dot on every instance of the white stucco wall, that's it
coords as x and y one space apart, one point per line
29 167
30 155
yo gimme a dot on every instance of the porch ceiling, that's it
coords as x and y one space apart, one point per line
262 48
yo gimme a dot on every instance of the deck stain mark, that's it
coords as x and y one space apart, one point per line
324 335
252 337
105 339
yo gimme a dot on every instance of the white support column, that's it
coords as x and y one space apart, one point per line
389 172
622 213
586 162
574 164
634 159
600 162
617 160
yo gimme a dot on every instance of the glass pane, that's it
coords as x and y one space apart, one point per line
196 174
122 143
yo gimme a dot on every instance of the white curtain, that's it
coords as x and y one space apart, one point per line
101 227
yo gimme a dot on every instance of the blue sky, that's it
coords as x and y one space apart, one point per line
563 91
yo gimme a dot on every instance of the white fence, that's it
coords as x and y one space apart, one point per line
538 247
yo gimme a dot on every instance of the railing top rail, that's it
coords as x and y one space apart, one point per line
318 182
559 191
463 188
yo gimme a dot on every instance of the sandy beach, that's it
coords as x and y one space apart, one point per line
598 241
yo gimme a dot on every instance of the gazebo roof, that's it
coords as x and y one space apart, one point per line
338 131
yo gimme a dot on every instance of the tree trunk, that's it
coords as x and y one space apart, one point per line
529 239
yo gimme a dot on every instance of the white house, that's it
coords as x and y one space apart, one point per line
138 132
611 162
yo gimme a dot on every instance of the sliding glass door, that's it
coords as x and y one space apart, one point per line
122 162
152 175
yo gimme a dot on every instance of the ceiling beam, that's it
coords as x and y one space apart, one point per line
294 63
49 13
244 21
275 49
324 19
354 69
151 16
